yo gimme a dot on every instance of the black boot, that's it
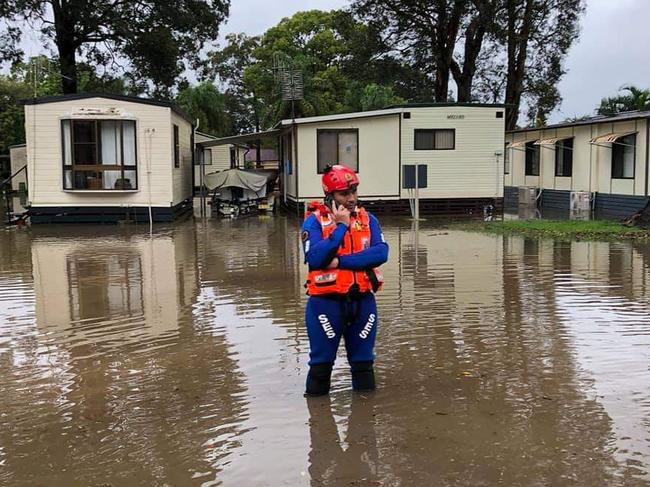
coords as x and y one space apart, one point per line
363 376
318 379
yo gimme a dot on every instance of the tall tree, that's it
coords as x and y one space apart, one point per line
537 35
154 36
423 30
479 22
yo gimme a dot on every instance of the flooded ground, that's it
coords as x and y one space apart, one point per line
180 360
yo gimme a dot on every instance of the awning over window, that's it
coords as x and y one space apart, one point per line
553 140
520 144
610 138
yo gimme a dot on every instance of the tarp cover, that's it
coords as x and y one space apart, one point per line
238 178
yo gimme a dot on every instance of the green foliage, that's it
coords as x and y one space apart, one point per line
205 103
633 99
344 64
155 37
370 97
40 77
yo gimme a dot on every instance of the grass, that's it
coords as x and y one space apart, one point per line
559 229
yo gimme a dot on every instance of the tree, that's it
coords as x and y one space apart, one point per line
40 77
154 36
496 50
635 99
205 103
362 98
423 30
537 35
480 22
228 66
337 56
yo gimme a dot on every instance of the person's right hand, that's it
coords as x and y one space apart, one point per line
340 214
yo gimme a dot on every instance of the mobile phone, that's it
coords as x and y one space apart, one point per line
329 201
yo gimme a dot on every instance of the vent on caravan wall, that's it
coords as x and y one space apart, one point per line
527 196
580 201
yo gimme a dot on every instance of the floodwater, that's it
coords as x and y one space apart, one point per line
180 359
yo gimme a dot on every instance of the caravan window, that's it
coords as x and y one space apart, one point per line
435 139
337 146
177 148
99 154
564 157
532 159
623 157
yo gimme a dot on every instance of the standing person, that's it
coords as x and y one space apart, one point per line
343 246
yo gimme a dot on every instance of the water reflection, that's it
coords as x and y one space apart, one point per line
348 460
180 359
121 386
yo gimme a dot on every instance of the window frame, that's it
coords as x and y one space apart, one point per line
532 148
506 158
98 167
338 141
561 149
618 146
433 133
176 141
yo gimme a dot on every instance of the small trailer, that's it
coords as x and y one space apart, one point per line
238 191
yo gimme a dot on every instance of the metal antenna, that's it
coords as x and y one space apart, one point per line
289 79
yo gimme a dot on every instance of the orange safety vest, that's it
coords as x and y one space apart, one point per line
344 281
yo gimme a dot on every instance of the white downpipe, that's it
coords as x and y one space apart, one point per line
149 134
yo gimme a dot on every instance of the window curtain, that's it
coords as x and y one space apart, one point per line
327 150
207 157
348 146
111 146
67 143
128 131
444 139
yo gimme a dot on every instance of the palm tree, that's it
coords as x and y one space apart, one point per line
635 99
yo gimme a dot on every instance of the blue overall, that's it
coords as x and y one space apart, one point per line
332 316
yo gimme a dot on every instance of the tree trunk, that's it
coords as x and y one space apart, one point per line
517 54
66 43
441 83
443 42
473 42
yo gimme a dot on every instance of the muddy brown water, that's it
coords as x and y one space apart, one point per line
180 360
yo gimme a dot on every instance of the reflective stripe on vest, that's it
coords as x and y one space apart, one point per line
343 281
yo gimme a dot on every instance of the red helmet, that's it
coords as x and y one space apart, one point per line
339 178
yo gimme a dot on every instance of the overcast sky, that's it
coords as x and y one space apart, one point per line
612 50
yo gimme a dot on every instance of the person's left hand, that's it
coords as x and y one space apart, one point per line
334 264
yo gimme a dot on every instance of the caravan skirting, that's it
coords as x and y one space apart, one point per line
555 201
108 214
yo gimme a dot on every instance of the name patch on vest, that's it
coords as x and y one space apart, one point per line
325 278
